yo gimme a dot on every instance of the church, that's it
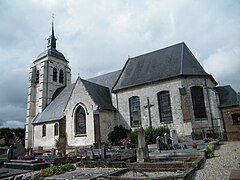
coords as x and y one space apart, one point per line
167 87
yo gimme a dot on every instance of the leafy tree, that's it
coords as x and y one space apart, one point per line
7 135
119 132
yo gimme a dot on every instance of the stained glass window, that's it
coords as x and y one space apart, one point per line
56 129
198 102
135 112
80 121
44 130
164 105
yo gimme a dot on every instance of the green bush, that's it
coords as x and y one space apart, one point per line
133 135
150 134
119 132
209 152
56 170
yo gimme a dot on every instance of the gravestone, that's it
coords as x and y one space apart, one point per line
167 139
160 143
174 137
15 150
142 151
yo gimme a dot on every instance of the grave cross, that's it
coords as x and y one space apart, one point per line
149 111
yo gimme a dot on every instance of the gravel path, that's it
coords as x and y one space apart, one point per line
219 168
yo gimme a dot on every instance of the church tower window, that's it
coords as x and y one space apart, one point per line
164 105
80 125
55 74
198 102
56 129
61 78
135 112
44 130
37 76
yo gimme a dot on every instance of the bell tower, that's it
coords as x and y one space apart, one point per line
49 72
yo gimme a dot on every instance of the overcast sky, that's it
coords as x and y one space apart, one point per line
97 37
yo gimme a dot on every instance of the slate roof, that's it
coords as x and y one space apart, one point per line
51 52
100 95
55 110
107 80
173 61
228 96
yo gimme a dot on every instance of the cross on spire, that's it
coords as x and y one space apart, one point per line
51 39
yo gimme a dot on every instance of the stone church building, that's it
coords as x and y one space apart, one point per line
167 87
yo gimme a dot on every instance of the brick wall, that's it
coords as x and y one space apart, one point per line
232 130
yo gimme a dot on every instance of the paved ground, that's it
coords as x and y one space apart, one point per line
219 168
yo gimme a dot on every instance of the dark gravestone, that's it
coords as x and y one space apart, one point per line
160 143
15 151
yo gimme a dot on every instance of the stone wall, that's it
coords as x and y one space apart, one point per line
80 97
183 119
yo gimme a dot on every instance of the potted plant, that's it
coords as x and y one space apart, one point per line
194 144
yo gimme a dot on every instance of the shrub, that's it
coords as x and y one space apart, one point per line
56 170
133 135
119 132
209 152
152 133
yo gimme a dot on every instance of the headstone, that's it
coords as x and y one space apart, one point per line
142 151
167 139
174 137
160 143
103 151
53 151
15 150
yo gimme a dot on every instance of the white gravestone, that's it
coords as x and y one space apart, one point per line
174 137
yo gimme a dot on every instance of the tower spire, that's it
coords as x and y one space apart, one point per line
51 39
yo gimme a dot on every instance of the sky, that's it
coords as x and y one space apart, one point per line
97 37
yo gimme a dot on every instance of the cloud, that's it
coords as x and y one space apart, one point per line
98 36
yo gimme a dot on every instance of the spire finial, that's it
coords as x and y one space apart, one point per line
52 39
52 33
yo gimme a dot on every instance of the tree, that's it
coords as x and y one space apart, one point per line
7 135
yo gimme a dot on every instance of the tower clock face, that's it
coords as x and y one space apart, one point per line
59 66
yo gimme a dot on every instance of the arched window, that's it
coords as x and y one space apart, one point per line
61 76
44 130
198 102
37 76
236 118
135 112
164 105
80 121
56 129
55 74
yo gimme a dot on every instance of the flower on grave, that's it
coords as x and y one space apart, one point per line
194 144
26 157
125 142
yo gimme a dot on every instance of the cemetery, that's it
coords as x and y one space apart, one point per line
166 159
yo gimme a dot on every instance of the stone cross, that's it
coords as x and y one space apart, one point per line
15 150
10 151
149 111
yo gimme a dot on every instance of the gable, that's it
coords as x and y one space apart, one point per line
162 64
